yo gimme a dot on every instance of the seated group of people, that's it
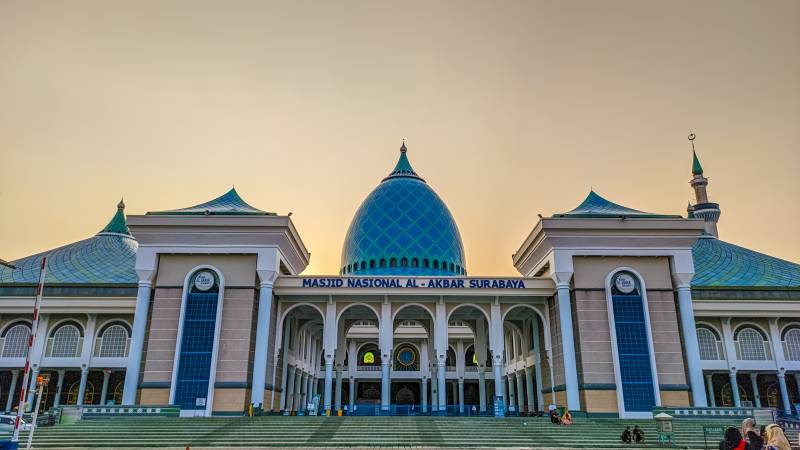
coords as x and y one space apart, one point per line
560 419
770 437
632 436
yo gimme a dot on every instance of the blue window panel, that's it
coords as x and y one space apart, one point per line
633 352
197 345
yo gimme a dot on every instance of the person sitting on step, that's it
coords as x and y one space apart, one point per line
627 436
638 434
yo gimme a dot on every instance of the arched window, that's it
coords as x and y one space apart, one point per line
404 262
112 341
393 262
383 263
444 265
363 265
65 341
750 344
709 344
630 331
435 264
452 267
415 262
791 344
15 341
458 268
426 263
371 263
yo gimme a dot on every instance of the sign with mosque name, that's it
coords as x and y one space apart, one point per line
412 283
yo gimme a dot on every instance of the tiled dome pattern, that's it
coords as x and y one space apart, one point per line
403 228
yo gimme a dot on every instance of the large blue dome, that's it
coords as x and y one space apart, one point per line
403 228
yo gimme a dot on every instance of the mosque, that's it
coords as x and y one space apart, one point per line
615 312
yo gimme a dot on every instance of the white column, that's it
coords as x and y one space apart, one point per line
787 406
690 347
737 402
82 385
424 393
298 383
537 359
59 388
89 335
352 366
301 404
480 353
504 391
262 338
338 397
387 348
512 394
11 389
568 346
104 390
435 389
288 397
461 396
285 365
520 392
497 345
710 389
137 340
311 382
329 346
440 346
529 388
756 393
780 362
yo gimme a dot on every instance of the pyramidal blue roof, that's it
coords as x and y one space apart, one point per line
229 203
403 228
595 206
721 264
106 258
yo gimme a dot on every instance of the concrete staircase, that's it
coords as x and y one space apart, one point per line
277 431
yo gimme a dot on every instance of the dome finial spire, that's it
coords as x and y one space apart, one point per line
121 204
403 148
697 169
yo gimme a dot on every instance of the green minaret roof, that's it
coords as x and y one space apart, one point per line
697 169
117 224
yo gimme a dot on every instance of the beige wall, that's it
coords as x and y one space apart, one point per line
591 271
594 337
599 401
666 337
162 335
238 270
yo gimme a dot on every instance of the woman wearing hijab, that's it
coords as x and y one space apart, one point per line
776 440
733 440
566 419
751 435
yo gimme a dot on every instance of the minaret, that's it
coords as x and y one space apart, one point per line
702 209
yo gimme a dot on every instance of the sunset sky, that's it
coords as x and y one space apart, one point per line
509 109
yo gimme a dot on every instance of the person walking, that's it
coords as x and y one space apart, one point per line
776 439
751 435
733 440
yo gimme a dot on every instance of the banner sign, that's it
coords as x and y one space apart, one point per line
414 283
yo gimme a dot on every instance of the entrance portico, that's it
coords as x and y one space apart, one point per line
414 334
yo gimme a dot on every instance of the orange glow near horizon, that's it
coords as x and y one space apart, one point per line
510 110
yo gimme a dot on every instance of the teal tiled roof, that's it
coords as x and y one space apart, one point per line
595 206
229 203
720 264
107 258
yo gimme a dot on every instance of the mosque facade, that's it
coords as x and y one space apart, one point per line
615 312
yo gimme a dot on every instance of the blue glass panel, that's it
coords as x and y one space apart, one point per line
197 345
634 353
